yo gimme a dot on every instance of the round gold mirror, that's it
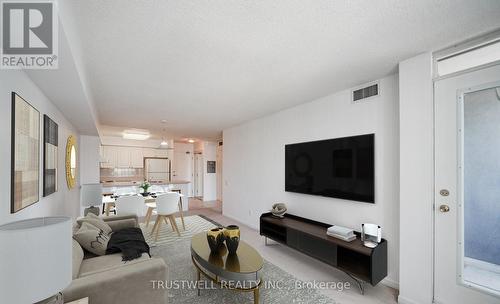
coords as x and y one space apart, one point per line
71 161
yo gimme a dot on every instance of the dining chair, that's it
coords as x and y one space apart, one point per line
181 209
130 205
166 206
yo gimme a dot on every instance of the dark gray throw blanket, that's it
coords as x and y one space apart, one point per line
130 242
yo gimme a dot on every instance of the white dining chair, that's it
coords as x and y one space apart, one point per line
130 205
166 206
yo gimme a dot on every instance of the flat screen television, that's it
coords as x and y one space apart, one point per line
342 168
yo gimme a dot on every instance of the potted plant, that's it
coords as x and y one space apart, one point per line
145 187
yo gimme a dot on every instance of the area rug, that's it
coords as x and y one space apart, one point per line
194 224
279 286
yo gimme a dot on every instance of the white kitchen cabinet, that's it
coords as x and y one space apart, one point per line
123 158
131 157
148 152
136 157
109 154
161 153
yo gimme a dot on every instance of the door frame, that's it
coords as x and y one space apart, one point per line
460 185
460 165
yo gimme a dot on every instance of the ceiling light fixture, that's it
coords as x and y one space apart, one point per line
163 143
191 141
136 134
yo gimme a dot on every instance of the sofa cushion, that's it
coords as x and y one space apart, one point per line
77 258
95 221
92 238
106 263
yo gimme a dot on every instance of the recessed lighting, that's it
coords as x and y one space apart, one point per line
190 140
163 143
163 121
136 134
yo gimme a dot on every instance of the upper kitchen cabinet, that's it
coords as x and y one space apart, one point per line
136 158
109 155
130 157
161 153
148 152
122 157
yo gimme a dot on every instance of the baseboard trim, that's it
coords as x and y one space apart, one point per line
390 283
240 221
403 300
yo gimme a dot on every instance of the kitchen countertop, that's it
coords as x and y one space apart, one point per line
128 184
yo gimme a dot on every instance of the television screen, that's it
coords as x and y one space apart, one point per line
341 168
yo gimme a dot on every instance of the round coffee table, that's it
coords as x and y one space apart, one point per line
240 272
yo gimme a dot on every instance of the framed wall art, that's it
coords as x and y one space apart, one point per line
25 154
50 142
210 166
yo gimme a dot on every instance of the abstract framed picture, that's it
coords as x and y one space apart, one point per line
25 154
210 166
50 142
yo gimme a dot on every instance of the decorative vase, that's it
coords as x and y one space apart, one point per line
232 236
215 238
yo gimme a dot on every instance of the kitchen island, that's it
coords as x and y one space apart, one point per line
109 188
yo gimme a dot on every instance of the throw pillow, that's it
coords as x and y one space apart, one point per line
92 238
95 221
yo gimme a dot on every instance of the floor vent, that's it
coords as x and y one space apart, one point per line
360 94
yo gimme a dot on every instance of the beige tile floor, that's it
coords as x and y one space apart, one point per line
305 268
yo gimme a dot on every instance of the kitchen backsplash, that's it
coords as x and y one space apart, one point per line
121 174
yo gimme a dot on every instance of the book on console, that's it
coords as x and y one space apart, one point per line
342 231
343 238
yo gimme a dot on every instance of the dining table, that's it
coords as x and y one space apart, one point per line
150 201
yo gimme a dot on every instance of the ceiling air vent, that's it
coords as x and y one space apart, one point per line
364 93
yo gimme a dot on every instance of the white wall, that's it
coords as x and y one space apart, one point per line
89 159
209 179
253 163
64 201
416 179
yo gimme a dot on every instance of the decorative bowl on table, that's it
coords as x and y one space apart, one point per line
279 210
145 194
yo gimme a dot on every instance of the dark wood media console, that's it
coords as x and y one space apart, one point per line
361 263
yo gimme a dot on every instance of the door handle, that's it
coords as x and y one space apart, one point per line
444 208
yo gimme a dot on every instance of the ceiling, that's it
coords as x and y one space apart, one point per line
208 65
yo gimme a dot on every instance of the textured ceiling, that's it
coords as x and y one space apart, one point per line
208 65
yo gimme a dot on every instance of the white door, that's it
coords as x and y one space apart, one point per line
183 168
467 181
198 175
